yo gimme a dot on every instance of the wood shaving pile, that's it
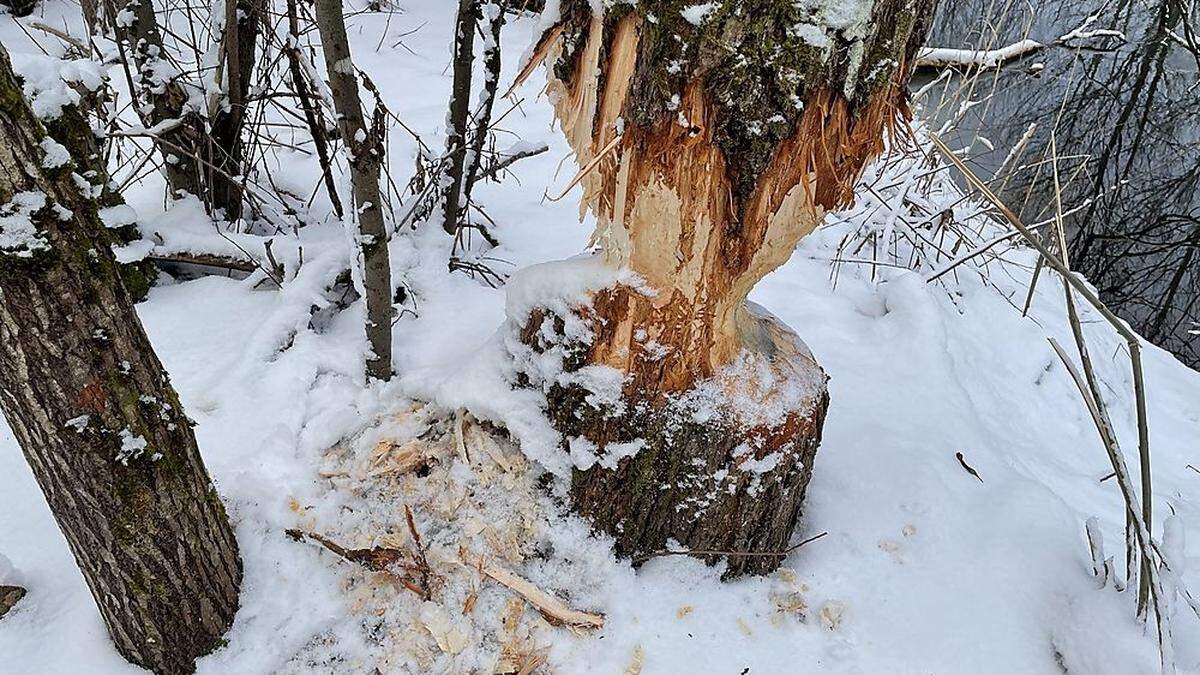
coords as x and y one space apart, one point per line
480 514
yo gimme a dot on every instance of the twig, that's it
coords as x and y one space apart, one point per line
377 559
588 168
492 170
967 467
975 58
732 554
554 610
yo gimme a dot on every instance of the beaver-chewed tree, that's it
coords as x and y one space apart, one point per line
92 408
712 136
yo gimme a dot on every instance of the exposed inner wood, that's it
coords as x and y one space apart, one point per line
665 205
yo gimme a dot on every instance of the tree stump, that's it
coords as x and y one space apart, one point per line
711 138
722 466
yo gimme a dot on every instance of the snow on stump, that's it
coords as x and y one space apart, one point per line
721 465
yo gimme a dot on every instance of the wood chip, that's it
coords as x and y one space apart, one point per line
635 664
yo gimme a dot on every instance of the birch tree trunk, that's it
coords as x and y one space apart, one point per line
94 412
365 147
713 138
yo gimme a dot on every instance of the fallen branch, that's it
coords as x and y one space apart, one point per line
377 559
938 57
494 169
205 260
553 609
61 35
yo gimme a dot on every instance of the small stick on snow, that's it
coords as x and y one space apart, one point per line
732 554
966 466
458 436
553 609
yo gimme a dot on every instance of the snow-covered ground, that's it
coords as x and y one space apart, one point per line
925 568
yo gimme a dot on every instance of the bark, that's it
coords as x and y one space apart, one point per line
9 597
20 8
460 106
709 149
365 147
96 416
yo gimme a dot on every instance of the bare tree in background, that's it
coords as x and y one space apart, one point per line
203 153
365 147
158 89
224 154
460 106
93 410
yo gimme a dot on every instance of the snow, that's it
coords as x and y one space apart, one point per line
697 14
55 154
47 80
19 235
985 58
9 574
133 446
924 567
118 216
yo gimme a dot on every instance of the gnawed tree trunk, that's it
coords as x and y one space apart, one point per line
94 412
365 147
712 142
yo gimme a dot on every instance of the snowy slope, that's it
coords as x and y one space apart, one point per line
925 568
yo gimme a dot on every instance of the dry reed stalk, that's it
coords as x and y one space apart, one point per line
1150 587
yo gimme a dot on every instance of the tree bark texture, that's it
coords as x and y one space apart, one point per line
95 414
365 147
710 145
9 597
